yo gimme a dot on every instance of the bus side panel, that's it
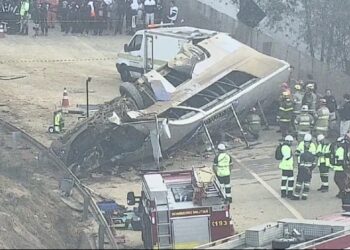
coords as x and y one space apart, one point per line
220 225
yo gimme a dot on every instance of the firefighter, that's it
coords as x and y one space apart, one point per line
305 166
322 119
323 162
297 99
285 114
222 168
303 123
253 123
286 165
310 98
58 121
338 158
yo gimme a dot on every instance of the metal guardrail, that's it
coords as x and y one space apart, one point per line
88 199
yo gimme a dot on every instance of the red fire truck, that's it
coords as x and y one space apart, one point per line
182 209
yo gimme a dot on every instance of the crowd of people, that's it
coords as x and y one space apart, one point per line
85 16
311 119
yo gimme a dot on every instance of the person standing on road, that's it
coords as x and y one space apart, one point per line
344 113
286 165
120 15
222 169
305 166
305 145
331 104
323 162
310 98
24 17
338 159
322 119
150 8
285 114
173 12
252 123
158 15
43 19
303 123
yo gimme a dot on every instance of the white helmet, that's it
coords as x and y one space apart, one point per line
289 138
340 139
221 147
320 137
304 108
308 138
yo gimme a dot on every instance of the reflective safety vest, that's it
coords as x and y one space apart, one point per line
297 101
254 121
287 161
323 149
285 111
304 121
223 168
24 8
322 120
301 149
339 159
58 119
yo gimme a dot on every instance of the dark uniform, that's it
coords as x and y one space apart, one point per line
306 165
285 116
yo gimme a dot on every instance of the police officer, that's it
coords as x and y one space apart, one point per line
222 168
323 162
303 123
322 119
305 166
253 123
286 165
338 160
310 98
285 114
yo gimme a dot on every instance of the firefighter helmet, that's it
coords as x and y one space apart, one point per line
310 86
221 147
340 139
253 109
320 137
285 93
323 101
289 138
305 108
297 86
307 138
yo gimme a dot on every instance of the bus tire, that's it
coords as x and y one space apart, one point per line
129 90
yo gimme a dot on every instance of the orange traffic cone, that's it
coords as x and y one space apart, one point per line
65 101
2 31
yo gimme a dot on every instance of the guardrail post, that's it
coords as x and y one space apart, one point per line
86 207
101 237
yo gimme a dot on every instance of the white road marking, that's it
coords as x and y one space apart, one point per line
271 190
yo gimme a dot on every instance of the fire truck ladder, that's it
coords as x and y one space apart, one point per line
164 228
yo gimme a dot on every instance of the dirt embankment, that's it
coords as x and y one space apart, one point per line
31 212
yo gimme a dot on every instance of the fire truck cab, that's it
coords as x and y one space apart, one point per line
182 209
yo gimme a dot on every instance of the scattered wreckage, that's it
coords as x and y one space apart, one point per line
168 106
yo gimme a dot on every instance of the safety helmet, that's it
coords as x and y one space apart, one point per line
323 101
307 138
221 147
297 86
340 139
285 93
310 86
289 138
320 137
304 108
253 109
